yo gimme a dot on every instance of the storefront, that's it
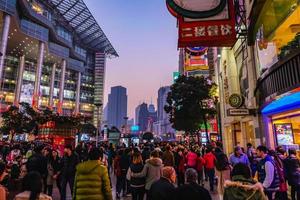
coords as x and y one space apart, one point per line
277 52
282 120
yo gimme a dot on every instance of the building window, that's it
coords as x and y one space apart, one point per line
62 32
39 9
80 51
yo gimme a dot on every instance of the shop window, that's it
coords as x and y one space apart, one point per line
28 76
39 9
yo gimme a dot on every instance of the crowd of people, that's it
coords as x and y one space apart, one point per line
162 171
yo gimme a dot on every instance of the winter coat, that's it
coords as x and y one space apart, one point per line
92 182
162 190
209 159
241 188
168 159
152 171
38 163
191 159
192 191
181 165
69 164
25 196
136 182
200 164
292 173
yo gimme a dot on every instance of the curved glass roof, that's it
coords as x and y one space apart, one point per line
82 21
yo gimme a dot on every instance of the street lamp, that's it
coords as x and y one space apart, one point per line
98 105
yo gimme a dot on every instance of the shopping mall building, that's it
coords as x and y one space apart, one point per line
274 31
53 55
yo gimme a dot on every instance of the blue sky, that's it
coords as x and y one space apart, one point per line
145 35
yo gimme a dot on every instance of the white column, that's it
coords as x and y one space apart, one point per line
19 81
61 87
51 91
77 105
38 76
4 39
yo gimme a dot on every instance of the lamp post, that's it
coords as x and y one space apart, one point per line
98 105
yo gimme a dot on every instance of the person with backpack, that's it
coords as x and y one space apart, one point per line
137 185
282 193
267 173
223 169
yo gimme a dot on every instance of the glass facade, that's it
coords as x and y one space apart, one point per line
63 33
80 51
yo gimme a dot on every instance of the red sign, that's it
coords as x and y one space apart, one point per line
211 33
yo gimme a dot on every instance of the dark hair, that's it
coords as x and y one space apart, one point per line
168 148
242 170
2 167
280 150
155 154
32 182
262 148
237 148
94 154
68 146
15 171
249 145
292 152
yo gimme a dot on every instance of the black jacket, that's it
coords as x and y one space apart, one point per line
37 162
192 191
291 166
162 190
69 164
137 182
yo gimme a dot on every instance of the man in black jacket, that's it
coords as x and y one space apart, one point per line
68 171
163 189
191 190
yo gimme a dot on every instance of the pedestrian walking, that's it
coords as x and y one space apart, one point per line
32 188
292 172
164 188
223 169
210 160
152 170
267 173
239 157
137 184
92 181
168 157
192 190
200 168
242 186
68 171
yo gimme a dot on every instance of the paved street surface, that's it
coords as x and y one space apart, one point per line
215 195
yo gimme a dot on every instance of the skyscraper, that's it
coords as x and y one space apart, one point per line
117 106
161 102
141 116
163 125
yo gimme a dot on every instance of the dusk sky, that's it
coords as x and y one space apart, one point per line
145 35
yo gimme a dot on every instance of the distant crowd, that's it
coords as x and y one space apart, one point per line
160 171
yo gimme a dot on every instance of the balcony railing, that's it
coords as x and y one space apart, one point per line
8 6
280 78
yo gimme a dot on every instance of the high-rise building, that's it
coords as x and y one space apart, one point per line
161 102
141 116
117 107
163 125
54 56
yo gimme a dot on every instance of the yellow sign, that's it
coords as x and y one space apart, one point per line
197 67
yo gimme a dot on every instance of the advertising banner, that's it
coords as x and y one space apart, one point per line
204 23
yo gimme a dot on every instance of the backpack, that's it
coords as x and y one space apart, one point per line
222 162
